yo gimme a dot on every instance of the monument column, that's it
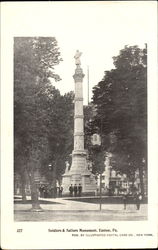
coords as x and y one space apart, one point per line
78 113
79 173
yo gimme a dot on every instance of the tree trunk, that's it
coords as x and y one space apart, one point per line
34 194
23 182
23 192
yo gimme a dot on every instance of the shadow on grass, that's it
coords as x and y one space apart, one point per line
30 202
107 200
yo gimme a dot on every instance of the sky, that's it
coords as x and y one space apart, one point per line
98 29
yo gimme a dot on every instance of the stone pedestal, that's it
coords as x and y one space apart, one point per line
79 173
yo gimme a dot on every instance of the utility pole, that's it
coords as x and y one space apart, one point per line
88 82
98 142
100 204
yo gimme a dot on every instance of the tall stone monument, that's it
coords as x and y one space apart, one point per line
79 173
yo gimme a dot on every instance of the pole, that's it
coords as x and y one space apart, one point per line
100 192
88 82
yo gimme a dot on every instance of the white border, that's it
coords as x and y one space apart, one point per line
35 235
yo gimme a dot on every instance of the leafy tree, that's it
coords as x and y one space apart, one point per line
60 135
34 61
120 100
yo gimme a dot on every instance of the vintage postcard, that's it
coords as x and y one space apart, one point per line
79 123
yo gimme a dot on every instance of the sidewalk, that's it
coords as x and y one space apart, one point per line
63 209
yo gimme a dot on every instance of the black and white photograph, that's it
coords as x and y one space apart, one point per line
75 160
80 137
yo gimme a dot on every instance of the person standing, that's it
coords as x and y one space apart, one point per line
45 192
125 199
138 199
79 190
71 190
52 192
75 190
41 189
60 191
55 191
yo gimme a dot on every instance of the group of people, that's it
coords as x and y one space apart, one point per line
46 191
137 199
75 190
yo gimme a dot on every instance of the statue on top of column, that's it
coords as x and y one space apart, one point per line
77 57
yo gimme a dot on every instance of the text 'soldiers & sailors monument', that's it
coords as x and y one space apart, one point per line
79 173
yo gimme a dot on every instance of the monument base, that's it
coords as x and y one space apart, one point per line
79 174
87 182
